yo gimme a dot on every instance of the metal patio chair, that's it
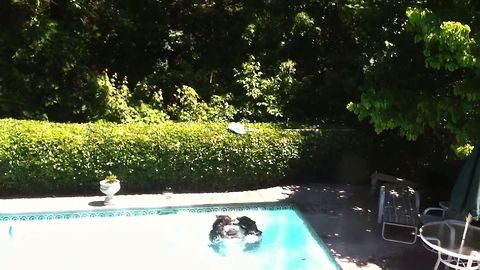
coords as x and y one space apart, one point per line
398 207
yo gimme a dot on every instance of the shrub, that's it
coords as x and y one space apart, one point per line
43 158
52 158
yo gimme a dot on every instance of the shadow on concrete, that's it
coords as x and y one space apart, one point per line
97 203
345 219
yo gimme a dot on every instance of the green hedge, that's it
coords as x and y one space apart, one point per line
39 157
42 158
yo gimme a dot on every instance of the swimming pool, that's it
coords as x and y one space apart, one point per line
158 238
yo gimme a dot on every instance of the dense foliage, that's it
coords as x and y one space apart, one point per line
51 158
425 80
125 61
408 67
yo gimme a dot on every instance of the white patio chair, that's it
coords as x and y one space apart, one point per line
398 207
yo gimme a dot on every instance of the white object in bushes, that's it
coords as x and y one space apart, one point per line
237 128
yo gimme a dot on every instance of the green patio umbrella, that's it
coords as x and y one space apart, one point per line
465 195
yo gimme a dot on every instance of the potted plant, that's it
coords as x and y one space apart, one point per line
109 186
168 192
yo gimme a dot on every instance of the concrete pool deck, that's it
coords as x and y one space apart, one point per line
344 217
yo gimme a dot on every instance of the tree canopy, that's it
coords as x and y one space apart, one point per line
427 80
407 66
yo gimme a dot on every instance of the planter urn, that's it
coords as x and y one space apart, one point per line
109 188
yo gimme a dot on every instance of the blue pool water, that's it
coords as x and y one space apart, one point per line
158 238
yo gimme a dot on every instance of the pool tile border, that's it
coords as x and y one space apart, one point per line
127 212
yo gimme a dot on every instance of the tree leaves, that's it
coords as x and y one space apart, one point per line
446 44
440 96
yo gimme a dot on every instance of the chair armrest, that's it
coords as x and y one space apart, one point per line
427 211
432 214
381 204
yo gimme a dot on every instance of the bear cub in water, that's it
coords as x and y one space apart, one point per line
218 227
226 227
248 226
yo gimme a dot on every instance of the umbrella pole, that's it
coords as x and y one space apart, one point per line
467 222
468 219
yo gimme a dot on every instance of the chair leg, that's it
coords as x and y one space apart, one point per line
412 228
446 267
437 263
